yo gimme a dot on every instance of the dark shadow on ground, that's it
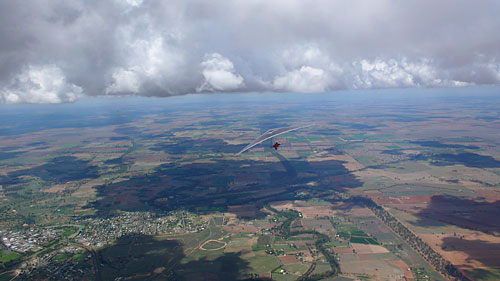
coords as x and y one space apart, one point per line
291 172
239 186
438 144
468 159
142 257
58 170
9 154
478 250
466 213
483 274
183 145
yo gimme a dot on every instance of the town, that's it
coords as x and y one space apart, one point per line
66 251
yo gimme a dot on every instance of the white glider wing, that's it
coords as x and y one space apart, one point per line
270 134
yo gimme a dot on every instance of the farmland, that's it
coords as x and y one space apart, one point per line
155 190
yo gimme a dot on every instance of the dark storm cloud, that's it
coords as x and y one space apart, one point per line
56 51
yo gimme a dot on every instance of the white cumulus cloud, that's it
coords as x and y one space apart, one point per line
308 69
148 62
219 74
393 73
40 84
124 81
165 48
306 79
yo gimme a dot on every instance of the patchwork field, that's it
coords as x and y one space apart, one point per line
154 189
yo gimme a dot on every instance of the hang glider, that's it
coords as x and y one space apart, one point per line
276 144
270 134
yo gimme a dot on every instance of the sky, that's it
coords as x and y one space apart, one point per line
58 51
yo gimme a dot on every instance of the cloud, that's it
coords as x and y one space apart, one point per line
165 48
306 79
401 73
146 62
308 69
219 74
134 3
124 81
40 84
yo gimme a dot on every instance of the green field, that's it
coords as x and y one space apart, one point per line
363 240
258 248
69 231
78 256
6 256
335 243
263 264
62 257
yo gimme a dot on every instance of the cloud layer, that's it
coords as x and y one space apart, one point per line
40 84
56 51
